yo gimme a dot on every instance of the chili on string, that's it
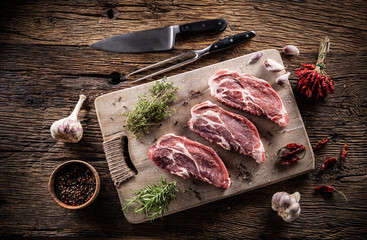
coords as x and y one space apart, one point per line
328 189
313 81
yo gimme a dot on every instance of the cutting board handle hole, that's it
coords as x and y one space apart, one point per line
129 163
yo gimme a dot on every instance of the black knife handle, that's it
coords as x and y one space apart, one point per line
231 41
214 25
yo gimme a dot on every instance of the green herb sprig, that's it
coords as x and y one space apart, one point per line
153 200
152 110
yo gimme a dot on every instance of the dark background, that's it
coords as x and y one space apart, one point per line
46 62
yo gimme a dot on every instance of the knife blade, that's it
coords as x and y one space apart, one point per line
159 39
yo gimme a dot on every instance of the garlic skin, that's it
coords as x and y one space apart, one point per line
256 56
283 78
291 50
69 129
287 205
273 66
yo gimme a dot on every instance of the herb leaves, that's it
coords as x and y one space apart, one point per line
153 200
152 110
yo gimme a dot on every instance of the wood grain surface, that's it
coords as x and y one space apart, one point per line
46 61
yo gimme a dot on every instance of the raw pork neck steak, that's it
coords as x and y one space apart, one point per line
189 159
248 93
230 131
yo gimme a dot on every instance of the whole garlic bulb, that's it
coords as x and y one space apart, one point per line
69 129
287 205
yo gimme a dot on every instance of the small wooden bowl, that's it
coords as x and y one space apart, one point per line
51 184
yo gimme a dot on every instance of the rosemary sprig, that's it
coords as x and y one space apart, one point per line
152 110
153 200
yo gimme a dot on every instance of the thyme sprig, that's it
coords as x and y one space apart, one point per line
154 199
152 110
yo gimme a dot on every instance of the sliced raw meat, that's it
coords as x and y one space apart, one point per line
248 93
189 159
229 130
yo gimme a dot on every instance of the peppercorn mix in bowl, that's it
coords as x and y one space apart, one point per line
74 184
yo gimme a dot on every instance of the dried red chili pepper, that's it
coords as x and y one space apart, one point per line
290 156
292 153
344 152
328 189
324 189
343 156
328 163
321 143
290 160
312 79
292 146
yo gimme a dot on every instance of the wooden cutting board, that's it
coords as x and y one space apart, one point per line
245 173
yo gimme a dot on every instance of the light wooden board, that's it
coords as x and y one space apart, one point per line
245 173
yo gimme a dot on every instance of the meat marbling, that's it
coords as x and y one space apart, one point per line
229 130
189 159
248 93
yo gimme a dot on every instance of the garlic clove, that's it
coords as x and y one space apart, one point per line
291 50
256 56
283 78
293 209
69 129
285 201
275 200
293 216
296 196
273 66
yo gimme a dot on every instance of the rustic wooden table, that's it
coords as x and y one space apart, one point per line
46 62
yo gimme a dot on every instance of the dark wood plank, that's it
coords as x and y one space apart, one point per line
45 62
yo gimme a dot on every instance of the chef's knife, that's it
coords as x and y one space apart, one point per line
192 56
160 39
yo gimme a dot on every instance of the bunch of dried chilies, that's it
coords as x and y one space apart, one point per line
313 81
